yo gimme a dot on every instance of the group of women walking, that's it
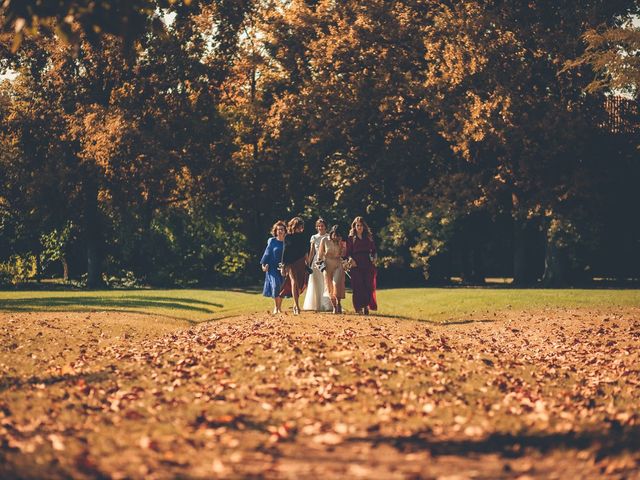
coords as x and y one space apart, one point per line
292 262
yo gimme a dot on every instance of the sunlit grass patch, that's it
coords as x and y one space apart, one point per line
459 304
434 304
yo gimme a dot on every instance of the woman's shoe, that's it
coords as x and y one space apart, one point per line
339 308
366 310
296 310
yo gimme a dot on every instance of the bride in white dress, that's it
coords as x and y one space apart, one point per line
317 297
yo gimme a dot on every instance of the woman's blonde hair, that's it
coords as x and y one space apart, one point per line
366 231
294 223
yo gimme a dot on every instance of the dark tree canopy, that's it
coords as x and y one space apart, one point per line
127 19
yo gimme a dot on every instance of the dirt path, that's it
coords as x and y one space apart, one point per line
521 395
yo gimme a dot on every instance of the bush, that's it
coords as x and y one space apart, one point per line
188 248
19 268
126 279
6 279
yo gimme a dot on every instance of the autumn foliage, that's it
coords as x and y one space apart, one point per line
166 137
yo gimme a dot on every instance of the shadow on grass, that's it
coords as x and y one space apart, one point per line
613 440
19 382
251 289
30 304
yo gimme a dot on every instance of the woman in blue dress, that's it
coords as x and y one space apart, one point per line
270 259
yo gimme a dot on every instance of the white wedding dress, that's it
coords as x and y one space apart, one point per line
317 296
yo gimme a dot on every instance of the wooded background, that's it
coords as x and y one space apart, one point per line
156 141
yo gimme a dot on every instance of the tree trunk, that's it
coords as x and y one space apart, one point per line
92 233
65 269
556 273
520 264
478 274
523 273
472 268
38 268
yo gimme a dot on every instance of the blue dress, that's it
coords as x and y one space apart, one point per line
272 278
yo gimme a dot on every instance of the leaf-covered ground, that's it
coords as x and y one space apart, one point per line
542 394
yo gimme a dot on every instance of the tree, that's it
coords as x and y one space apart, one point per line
37 164
375 102
614 55
56 247
503 100
455 127
142 138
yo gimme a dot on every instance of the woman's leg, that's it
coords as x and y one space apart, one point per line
337 282
328 279
366 297
295 292
372 302
357 286
278 302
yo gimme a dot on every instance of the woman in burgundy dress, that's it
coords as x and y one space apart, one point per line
362 252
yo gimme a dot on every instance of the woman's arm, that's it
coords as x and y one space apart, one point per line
322 251
312 249
350 252
268 253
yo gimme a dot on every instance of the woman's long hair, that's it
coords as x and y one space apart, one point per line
366 231
294 223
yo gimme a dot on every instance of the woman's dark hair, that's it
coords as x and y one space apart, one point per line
366 231
335 230
274 229
294 223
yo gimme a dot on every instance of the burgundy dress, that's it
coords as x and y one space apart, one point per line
363 277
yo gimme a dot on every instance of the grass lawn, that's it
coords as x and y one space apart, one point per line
443 383
433 304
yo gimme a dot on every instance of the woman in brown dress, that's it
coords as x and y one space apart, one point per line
332 249
294 259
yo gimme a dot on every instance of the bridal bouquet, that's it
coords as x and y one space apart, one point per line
347 264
